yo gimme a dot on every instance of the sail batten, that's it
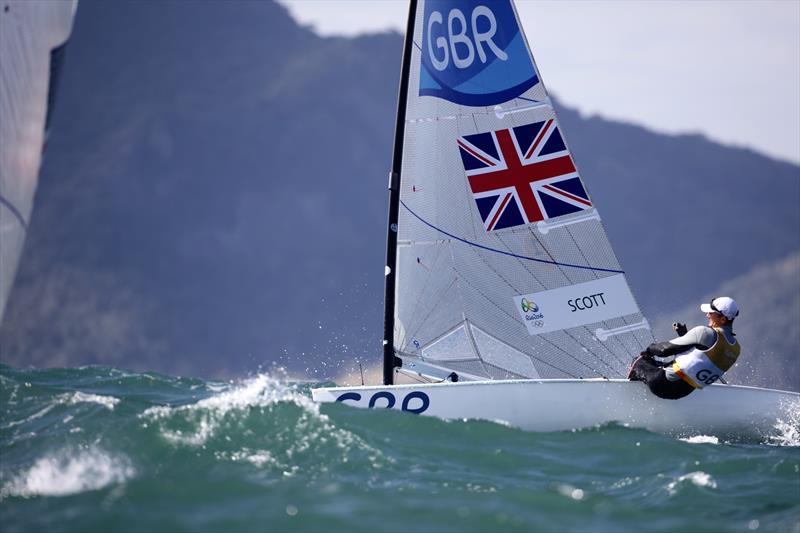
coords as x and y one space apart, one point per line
503 267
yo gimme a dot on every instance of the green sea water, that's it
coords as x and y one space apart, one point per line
101 449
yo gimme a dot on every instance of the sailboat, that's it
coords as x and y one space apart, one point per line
33 37
503 296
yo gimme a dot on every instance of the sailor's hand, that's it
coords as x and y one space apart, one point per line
679 328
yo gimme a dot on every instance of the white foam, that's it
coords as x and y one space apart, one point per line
38 414
208 413
81 397
194 424
69 399
788 428
69 472
257 458
702 439
698 479
625 482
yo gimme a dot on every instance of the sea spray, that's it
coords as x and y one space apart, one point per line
787 429
69 471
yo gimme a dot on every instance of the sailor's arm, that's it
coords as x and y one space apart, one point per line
701 337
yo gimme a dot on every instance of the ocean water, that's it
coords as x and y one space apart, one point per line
101 449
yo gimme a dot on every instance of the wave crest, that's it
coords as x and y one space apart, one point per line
266 422
69 472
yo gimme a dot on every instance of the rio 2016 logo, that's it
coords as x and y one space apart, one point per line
532 313
474 53
529 306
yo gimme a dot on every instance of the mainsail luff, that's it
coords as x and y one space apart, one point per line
465 265
390 361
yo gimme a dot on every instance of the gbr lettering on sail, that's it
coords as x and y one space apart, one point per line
473 52
453 42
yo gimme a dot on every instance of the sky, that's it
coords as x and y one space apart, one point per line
727 69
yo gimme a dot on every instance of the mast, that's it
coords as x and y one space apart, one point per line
389 359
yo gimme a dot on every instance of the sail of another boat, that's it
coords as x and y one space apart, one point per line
33 37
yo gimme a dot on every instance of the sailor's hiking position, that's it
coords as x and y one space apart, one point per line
697 357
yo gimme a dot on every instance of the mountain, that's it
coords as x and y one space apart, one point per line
214 197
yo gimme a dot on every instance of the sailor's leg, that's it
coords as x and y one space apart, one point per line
669 390
632 374
643 369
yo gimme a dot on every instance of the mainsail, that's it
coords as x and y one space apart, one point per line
498 264
32 40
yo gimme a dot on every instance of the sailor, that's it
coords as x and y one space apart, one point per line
699 356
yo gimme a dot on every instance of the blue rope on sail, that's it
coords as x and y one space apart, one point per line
476 245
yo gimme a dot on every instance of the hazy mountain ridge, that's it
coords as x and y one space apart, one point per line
214 196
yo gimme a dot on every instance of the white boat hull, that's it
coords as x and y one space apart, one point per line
558 405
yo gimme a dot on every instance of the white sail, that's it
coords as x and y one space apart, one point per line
32 36
504 269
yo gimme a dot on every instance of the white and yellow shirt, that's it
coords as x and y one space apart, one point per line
703 367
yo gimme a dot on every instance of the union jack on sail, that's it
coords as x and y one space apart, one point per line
522 175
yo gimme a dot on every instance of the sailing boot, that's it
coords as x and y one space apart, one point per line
631 373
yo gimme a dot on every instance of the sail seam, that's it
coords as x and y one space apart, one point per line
413 325
518 256
423 319
625 348
14 211
533 275
510 285
546 340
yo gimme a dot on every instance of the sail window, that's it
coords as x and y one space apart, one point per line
502 355
453 346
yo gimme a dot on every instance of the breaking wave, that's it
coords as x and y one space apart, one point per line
68 472
262 421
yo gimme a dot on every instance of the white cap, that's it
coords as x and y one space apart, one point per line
723 305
